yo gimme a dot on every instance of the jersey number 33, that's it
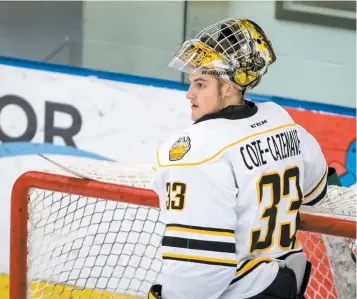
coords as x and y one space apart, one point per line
277 218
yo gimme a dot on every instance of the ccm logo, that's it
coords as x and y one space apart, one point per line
259 124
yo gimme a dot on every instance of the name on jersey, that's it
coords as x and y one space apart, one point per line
277 147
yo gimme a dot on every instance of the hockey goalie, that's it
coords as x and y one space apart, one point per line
231 185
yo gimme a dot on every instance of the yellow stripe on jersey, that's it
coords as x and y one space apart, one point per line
251 264
200 230
307 196
189 243
222 150
199 259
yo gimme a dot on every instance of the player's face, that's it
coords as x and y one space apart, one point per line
203 95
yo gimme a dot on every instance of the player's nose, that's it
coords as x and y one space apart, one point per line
190 94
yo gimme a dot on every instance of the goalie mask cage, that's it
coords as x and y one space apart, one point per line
99 237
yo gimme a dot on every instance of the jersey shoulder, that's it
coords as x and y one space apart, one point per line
275 111
194 146
207 140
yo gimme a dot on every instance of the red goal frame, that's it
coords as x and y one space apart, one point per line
109 191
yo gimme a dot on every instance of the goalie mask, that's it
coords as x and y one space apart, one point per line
237 50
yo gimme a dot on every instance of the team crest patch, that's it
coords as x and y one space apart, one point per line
180 148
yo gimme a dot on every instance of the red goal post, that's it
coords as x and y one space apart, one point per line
39 198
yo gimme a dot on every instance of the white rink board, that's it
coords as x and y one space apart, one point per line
120 121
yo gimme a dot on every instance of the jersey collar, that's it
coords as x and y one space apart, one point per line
232 112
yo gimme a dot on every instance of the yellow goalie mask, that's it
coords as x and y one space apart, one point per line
237 50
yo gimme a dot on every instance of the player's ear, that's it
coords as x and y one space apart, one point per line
227 90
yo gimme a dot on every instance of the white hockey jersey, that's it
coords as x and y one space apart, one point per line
230 188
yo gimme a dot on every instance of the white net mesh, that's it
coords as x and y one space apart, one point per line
81 247
340 203
91 247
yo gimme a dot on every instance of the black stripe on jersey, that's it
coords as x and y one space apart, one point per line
200 260
296 241
248 271
318 198
201 228
198 244
313 190
243 265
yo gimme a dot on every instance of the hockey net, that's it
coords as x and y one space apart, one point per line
97 237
